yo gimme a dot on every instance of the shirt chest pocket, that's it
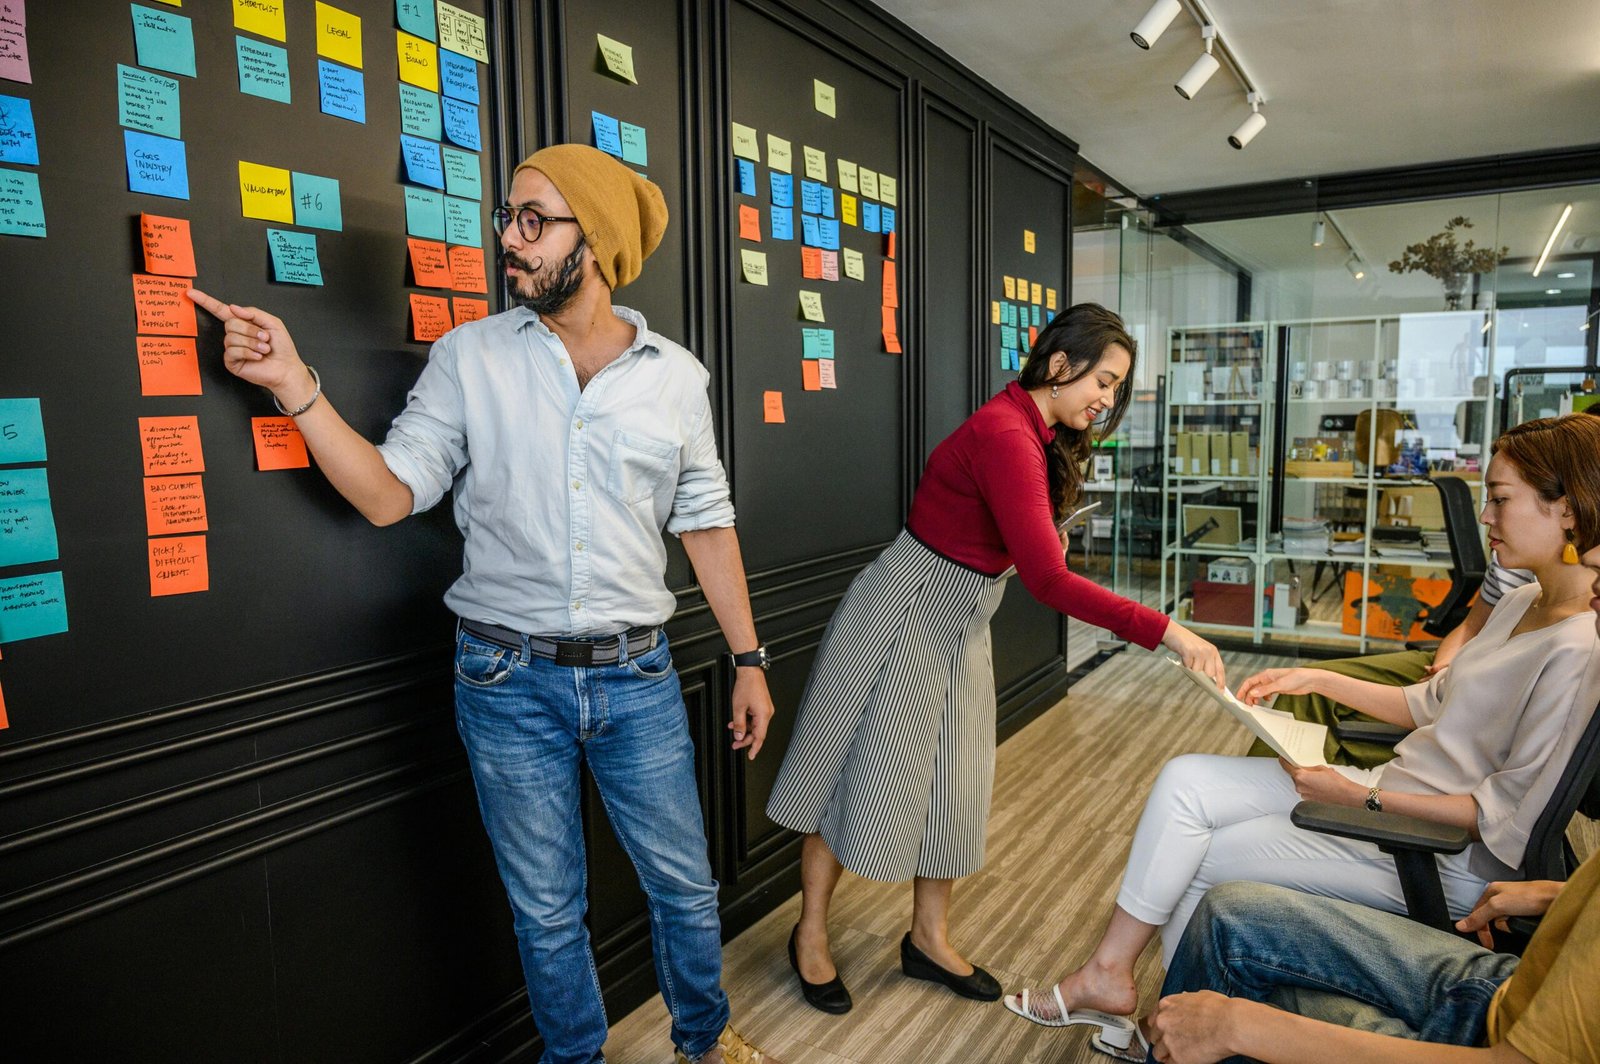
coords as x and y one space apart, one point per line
639 466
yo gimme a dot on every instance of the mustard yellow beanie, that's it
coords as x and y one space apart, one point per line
622 215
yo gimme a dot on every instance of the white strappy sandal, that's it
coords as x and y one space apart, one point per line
1116 1032
1135 1052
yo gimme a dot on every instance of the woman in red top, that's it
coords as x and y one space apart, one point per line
891 767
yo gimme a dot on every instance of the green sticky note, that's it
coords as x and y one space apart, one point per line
21 206
419 113
163 40
424 214
21 431
294 257
263 69
633 145
316 202
462 222
462 175
31 606
27 525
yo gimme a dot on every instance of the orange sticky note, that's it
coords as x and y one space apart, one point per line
5 722
171 445
891 343
178 566
811 375
161 305
749 223
174 504
466 270
469 309
168 366
772 407
811 263
891 289
888 244
167 247
429 264
1033 336
888 320
430 316
279 444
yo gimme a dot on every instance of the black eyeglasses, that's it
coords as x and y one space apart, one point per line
530 223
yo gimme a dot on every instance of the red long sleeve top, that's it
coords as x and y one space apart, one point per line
984 501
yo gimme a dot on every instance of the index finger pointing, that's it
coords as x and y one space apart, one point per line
215 307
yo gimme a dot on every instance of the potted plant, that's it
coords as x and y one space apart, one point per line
1450 263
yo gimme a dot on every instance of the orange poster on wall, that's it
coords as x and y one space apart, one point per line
1397 604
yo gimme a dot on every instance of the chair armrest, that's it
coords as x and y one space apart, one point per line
1423 644
1370 731
1390 831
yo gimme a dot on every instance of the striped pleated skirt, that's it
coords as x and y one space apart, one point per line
892 758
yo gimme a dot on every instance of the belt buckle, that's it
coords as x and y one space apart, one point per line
574 654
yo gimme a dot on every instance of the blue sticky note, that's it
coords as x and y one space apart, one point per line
1008 336
157 165
462 222
148 101
316 201
423 166
21 207
747 177
1011 314
19 142
1036 318
21 430
810 197
886 220
263 69
163 40
826 194
869 217
810 234
829 233
782 191
782 223
633 145
424 214
462 174
32 606
811 346
343 91
416 16
607 134
27 524
461 124
458 76
294 257
824 343
419 113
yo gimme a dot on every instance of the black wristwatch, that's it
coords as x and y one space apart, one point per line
753 659
1374 802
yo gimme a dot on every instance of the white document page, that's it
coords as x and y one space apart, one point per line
1298 742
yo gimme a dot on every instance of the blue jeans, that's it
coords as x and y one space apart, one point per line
527 723
1340 962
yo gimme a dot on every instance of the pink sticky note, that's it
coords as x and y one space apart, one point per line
14 42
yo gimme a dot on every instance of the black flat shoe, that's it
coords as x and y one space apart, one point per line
979 986
830 996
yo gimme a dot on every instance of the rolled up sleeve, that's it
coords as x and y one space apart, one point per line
427 444
702 499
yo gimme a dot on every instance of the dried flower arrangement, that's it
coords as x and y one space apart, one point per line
1442 258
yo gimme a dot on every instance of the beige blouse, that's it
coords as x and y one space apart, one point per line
1500 724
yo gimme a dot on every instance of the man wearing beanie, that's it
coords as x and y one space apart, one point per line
571 436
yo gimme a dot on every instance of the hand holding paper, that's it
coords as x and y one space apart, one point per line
258 348
1269 683
1195 653
1299 743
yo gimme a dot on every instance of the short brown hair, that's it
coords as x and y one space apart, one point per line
1561 456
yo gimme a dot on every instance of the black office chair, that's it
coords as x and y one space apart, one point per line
1145 506
1414 843
1466 555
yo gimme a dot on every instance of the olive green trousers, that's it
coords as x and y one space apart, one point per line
1398 669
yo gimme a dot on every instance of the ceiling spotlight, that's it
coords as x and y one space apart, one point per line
1319 233
1202 69
1357 268
1250 126
1155 22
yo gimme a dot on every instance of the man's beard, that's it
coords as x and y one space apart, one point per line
554 294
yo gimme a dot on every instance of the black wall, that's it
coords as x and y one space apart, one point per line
237 825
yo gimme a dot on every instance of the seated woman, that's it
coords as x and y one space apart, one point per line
1491 736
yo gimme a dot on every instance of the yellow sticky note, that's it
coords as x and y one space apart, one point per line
1022 290
174 3
1027 241
338 35
264 192
617 56
1011 287
1049 299
755 266
745 144
847 208
847 176
869 183
264 17
854 265
822 95
994 312
811 306
419 61
888 189
780 154
1037 296
816 164
463 33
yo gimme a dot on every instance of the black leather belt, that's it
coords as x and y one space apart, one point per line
578 653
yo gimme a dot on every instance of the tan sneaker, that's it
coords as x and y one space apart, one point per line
731 1048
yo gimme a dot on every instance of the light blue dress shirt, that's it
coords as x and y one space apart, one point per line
561 493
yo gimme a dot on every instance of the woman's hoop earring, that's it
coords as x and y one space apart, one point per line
1055 390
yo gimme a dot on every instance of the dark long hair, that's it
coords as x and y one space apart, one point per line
1082 332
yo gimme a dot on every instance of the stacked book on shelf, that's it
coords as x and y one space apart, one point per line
1437 544
1306 535
1398 543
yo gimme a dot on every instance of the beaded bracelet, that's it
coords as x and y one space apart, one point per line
307 405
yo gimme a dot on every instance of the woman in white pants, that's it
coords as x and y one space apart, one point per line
1491 736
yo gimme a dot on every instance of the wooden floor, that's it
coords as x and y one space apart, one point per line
1068 792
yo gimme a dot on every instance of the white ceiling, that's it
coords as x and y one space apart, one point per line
1350 84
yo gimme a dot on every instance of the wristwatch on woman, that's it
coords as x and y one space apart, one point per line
753 659
1374 803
